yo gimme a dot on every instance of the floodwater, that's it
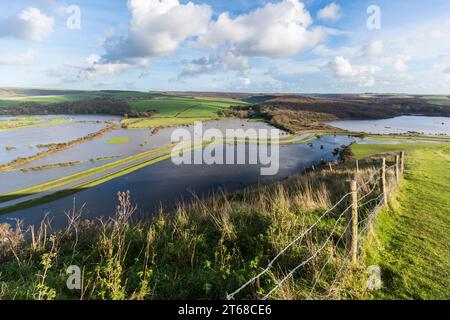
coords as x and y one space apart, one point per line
165 184
139 141
403 124
25 141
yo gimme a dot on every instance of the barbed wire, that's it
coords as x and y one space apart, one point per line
370 216
231 296
315 254
329 259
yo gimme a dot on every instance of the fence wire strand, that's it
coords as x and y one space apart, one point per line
363 226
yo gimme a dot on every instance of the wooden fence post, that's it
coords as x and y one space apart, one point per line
352 222
383 181
402 162
357 166
397 168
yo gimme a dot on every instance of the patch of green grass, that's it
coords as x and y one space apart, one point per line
48 99
159 122
118 140
30 122
174 106
411 237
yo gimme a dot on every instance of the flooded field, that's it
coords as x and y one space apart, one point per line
164 184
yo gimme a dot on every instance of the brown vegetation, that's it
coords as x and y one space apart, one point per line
52 166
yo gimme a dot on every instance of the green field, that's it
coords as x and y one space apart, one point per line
167 106
411 237
30 122
170 109
143 123
46 99
118 140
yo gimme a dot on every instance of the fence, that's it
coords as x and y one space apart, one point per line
358 219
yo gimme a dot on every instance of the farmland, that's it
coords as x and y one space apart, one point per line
147 110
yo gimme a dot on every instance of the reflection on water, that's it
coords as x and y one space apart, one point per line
404 124
163 184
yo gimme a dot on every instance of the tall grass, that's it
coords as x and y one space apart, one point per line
203 250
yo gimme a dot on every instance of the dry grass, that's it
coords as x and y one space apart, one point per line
205 249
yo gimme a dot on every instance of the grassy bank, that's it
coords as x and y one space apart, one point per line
203 250
30 122
411 238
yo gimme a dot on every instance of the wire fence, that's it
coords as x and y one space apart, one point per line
364 200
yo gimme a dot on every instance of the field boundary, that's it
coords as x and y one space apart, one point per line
356 226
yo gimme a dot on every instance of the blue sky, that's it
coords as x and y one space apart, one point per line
310 46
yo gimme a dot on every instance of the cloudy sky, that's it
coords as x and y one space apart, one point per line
309 46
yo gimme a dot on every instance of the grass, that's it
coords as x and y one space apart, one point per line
204 250
143 123
30 122
411 238
184 107
48 99
118 140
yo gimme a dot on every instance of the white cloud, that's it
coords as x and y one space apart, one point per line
224 62
25 58
30 24
275 30
157 27
331 12
97 68
342 69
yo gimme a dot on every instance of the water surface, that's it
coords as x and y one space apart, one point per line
164 184
403 124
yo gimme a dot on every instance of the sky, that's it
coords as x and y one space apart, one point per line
283 46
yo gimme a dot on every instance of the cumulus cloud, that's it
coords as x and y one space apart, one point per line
30 24
224 62
157 27
341 68
96 68
275 30
25 58
331 12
